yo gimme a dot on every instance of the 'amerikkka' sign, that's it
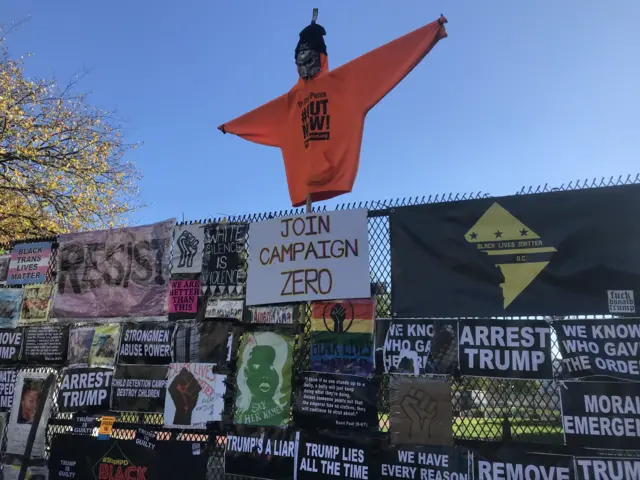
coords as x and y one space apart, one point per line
310 257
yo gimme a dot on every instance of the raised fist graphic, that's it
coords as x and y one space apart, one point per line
420 409
338 314
188 246
184 391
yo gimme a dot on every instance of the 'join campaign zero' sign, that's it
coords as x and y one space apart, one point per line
319 256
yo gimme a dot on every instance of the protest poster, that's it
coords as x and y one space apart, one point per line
188 246
139 388
104 346
3 423
10 303
421 411
509 463
261 452
146 343
550 254
205 342
7 387
607 468
27 398
505 349
601 415
114 273
84 424
4 268
318 256
183 296
82 458
46 344
275 314
35 304
331 456
146 438
80 341
29 263
263 384
224 308
85 390
195 395
419 346
608 347
342 336
11 342
336 402
428 462
222 265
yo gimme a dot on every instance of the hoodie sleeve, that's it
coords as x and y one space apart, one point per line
261 125
374 74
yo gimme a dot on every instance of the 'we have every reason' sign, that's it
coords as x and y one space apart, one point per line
323 256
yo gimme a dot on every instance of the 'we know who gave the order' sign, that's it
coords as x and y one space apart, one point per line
320 256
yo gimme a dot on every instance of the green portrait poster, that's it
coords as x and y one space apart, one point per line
263 393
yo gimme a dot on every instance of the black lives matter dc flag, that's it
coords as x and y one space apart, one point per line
146 343
261 452
601 415
554 253
600 347
505 349
85 390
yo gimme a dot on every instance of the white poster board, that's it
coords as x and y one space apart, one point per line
318 256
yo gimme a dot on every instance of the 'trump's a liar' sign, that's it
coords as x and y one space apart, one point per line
323 256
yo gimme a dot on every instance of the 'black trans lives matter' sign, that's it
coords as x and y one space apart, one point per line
505 349
600 347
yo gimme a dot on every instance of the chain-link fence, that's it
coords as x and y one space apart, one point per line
485 409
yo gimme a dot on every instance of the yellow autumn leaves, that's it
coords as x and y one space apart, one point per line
62 165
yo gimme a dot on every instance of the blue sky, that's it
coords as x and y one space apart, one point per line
520 93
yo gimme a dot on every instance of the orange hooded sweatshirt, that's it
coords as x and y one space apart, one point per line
318 124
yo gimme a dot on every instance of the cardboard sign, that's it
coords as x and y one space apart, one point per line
106 427
322 256
29 263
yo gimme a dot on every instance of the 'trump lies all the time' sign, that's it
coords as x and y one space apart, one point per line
323 256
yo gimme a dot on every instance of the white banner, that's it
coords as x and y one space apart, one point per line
319 256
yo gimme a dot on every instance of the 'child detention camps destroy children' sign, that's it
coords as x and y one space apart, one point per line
323 256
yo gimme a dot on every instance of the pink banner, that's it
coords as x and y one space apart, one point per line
113 273
183 296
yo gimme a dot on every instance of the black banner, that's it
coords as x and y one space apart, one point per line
7 386
81 458
600 347
559 253
139 388
327 400
418 461
11 340
418 346
46 344
505 349
85 390
261 452
330 456
602 468
601 415
146 438
210 341
146 343
515 464
222 269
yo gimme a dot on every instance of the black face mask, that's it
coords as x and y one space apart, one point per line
307 61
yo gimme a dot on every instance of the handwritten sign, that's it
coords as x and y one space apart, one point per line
183 296
29 263
322 256
224 245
